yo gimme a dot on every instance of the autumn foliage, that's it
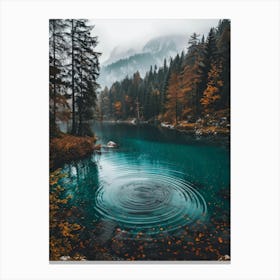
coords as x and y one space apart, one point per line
211 95
192 86
64 233
68 147
175 99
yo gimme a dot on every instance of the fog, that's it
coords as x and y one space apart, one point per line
134 33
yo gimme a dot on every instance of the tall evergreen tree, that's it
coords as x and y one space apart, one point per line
223 46
212 93
84 72
175 98
57 73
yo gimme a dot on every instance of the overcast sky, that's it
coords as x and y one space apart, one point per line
134 33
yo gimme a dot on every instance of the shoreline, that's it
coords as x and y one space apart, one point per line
195 129
66 148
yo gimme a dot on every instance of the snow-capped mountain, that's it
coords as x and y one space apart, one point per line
124 63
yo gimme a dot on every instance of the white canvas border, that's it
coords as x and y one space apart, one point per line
254 150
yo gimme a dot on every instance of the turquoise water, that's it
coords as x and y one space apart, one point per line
157 187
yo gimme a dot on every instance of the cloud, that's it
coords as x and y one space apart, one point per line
127 33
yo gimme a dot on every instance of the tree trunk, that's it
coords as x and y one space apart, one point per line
54 77
73 90
176 107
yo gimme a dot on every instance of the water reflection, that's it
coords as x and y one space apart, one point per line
80 184
157 186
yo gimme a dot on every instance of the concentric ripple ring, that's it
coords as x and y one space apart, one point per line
150 200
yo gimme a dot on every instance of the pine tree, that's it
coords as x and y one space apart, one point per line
211 51
194 39
212 93
104 104
174 98
84 72
57 74
223 46
192 78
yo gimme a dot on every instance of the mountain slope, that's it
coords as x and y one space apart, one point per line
152 53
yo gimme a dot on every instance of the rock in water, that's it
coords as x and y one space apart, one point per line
65 258
111 144
224 258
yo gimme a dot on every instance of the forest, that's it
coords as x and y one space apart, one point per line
101 205
73 73
74 68
192 87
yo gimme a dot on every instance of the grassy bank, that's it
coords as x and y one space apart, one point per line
66 148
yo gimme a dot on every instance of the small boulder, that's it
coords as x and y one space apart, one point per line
224 258
111 144
65 258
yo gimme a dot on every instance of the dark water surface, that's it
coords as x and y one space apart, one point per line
161 195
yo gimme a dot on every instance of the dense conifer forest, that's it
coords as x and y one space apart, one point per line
192 87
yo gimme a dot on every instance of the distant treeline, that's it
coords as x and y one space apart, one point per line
74 68
189 87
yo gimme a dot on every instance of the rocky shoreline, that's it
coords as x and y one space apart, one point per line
199 128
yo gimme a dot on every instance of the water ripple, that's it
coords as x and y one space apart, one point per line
148 199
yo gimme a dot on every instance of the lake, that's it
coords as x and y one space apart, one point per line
160 195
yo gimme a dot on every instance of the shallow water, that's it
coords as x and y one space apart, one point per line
159 187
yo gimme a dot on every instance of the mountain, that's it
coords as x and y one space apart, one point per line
166 45
125 63
119 53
